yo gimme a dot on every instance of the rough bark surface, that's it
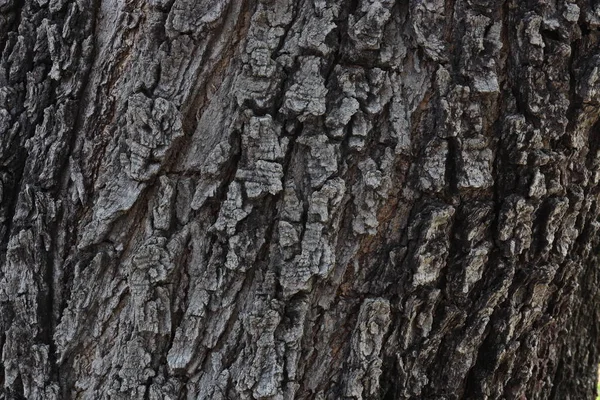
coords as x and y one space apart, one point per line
299 199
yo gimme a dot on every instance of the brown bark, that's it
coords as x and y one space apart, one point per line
277 199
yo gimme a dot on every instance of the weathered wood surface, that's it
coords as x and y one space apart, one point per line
279 199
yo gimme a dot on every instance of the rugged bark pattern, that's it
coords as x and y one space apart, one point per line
312 199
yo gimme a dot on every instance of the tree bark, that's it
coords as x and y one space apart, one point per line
279 199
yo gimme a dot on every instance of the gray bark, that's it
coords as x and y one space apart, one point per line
278 199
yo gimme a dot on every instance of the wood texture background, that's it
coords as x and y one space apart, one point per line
279 199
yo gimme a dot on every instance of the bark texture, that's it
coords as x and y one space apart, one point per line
299 199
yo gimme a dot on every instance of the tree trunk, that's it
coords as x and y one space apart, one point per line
295 199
